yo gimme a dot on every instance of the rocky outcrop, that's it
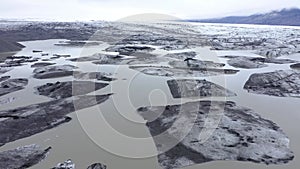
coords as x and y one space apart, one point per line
54 71
97 166
184 88
130 50
61 56
158 71
95 57
181 72
230 132
274 52
283 83
57 56
4 78
254 62
26 121
273 60
12 85
182 55
165 39
44 54
110 60
65 165
70 165
60 90
13 61
143 58
22 157
136 58
295 66
42 64
194 63
245 63
94 75
267 46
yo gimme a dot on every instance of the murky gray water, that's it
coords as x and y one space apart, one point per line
104 122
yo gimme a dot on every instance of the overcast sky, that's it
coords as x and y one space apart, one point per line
117 9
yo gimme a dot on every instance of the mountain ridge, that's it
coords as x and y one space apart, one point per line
287 17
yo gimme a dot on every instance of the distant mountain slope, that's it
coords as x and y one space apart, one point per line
289 17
